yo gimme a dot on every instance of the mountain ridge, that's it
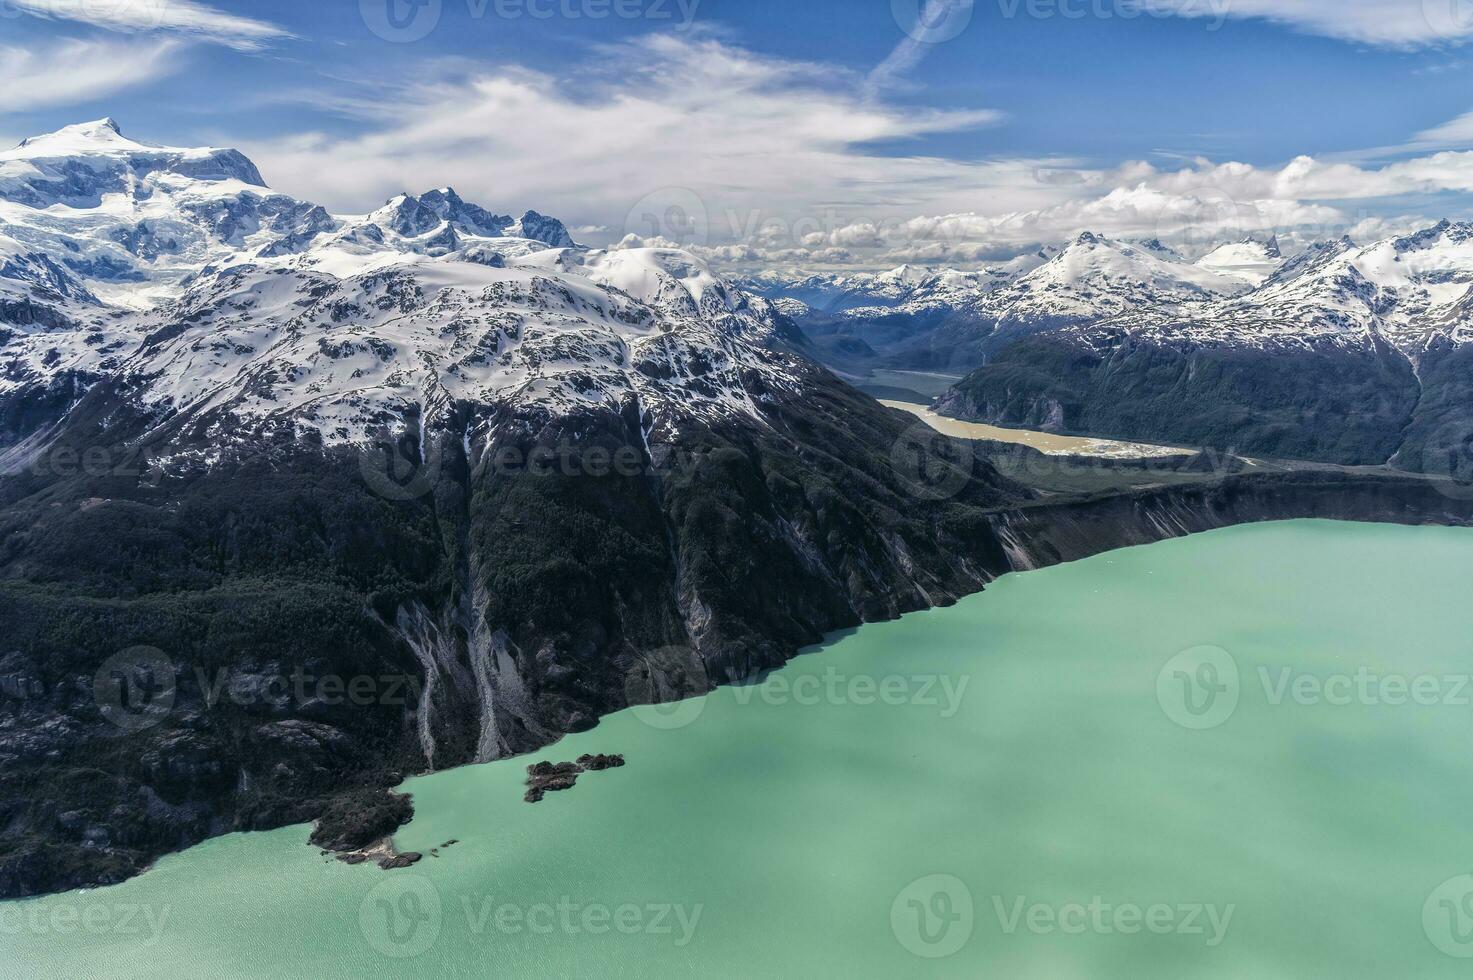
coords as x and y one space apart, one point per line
531 484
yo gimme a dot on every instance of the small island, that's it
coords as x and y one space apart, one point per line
547 777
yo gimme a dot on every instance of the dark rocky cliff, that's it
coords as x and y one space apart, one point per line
257 645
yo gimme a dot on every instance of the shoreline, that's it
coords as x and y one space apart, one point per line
1048 532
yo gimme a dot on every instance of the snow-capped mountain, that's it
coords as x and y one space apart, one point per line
954 320
105 222
1096 277
178 273
535 482
1403 291
1250 261
862 293
131 222
1345 353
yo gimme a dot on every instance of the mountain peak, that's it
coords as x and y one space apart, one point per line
106 128
98 135
541 228
906 272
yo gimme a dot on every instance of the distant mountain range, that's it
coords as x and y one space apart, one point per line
1343 353
943 319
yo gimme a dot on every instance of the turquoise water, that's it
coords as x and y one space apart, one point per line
1246 753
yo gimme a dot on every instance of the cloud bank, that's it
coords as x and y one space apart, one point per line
760 161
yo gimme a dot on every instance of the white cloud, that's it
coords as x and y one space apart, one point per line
1387 23
754 160
184 16
1305 178
1191 208
1457 132
77 71
666 121
937 21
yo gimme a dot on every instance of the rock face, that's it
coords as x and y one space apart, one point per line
360 820
1326 401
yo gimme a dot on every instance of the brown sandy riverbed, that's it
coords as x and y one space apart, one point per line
1046 442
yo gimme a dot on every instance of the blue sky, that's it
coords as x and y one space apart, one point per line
1007 123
